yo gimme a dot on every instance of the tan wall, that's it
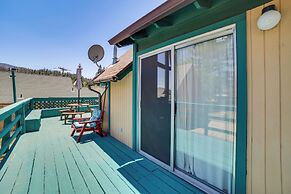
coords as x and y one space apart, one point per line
105 118
121 110
106 111
269 97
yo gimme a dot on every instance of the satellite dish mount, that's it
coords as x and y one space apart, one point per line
96 54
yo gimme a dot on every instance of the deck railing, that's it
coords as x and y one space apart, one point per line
12 123
12 117
44 103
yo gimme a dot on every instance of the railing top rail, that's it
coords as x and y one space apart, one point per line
63 98
9 110
61 102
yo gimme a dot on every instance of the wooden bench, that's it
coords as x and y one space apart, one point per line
32 121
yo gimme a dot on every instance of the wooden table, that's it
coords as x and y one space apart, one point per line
73 114
63 111
76 106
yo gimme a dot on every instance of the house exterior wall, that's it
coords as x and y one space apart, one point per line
241 137
269 106
106 115
105 124
121 110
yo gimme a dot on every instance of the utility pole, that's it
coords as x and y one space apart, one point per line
12 75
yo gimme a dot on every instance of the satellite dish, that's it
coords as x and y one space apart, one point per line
96 53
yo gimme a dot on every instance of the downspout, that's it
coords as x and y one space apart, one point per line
99 94
109 101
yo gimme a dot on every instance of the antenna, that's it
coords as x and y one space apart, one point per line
96 54
62 69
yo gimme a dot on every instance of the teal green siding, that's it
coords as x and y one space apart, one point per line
191 18
109 93
241 129
134 97
124 73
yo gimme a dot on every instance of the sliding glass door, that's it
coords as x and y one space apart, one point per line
205 120
193 132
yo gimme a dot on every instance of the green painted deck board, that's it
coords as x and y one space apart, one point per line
65 183
50 161
125 162
179 187
120 184
115 167
169 178
37 176
50 178
8 162
14 164
92 183
22 181
78 181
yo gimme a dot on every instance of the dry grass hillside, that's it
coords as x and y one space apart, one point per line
30 85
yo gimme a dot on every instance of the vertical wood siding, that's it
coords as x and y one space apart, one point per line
269 103
105 118
121 110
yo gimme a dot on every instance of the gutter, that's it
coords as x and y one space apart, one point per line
155 15
116 77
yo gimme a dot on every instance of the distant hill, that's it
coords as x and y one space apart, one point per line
6 66
33 85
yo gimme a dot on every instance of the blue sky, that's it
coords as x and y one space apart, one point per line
51 33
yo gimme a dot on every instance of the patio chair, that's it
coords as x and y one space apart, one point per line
94 123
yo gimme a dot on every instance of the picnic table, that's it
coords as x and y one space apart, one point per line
75 107
72 114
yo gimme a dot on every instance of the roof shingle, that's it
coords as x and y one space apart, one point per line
112 71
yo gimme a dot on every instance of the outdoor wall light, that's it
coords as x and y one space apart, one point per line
269 19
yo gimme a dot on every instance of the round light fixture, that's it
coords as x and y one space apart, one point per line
269 19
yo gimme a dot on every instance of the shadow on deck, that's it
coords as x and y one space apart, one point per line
50 161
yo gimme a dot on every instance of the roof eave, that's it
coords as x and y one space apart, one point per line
114 77
104 80
155 15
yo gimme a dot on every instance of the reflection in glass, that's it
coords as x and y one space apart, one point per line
161 87
205 120
156 106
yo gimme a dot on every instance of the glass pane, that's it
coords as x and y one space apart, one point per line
156 106
205 118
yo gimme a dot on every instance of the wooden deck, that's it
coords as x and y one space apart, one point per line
50 161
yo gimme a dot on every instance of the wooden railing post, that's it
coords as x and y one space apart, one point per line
31 104
7 136
22 120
